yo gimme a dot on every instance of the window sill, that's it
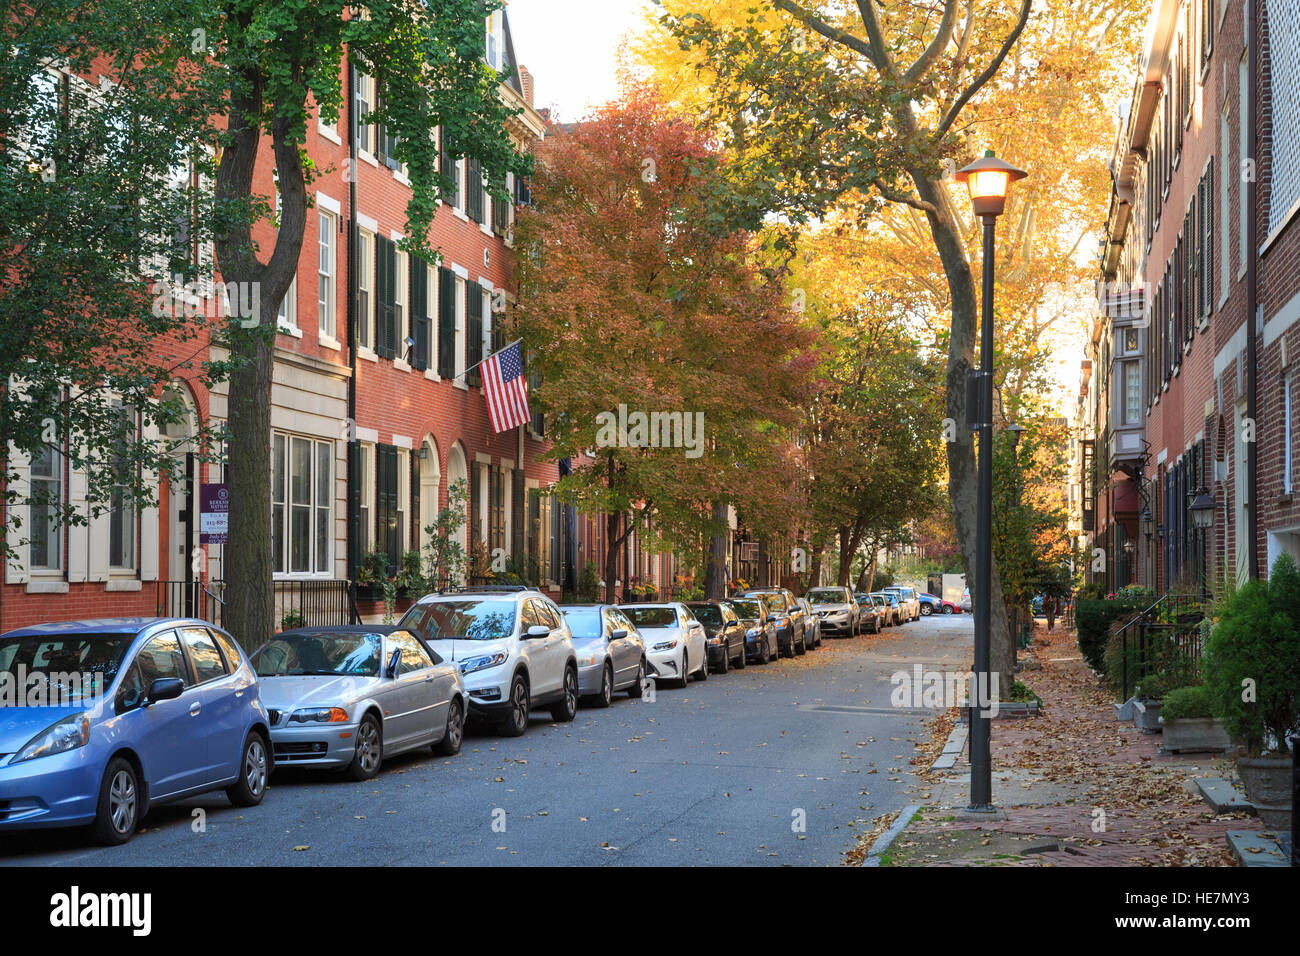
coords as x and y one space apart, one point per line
123 584
459 214
367 158
367 354
401 177
329 342
326 133
290 330
432 376
48 586
460 384
485 228
401 365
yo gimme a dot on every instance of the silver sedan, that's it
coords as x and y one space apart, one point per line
347 697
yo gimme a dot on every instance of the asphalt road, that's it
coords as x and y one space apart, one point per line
769 765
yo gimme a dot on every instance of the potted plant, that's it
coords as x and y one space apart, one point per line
371 574
1254 683
1189 722
292 619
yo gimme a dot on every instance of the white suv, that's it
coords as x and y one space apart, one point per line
513 647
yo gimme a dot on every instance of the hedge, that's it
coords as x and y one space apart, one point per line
1093 617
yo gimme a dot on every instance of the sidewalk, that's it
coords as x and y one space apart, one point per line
1078 788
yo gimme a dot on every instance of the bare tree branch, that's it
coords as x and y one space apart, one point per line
825 29
937 45
956 108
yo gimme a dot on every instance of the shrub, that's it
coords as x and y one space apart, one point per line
1093 618
1187 703
589 583
1250 663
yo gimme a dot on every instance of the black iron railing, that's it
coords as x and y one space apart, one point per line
304 603
1170 630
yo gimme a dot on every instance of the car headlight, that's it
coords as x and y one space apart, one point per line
67 734
665 646
319 715
589 660
483 663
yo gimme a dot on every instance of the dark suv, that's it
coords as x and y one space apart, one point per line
790 619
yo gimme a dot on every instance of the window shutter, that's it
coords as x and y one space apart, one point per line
386 485
474 332
447 166
1208 218
517 499
354 507
17 571
474 190
385 298
417 538
148 558
475 526
446 322
419 286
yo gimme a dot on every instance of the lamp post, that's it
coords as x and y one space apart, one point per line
1202 514
987 180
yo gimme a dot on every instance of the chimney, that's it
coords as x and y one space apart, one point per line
526 82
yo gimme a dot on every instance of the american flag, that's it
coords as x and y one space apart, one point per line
505 389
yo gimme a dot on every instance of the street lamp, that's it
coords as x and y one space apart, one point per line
1148 523
987 180
1202 509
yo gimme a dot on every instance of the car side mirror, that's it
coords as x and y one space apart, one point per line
164 688
394 662
618 634
538 630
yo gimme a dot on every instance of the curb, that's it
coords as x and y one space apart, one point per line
952 748
885 839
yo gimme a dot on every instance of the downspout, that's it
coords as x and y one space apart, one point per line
1252 286
354 450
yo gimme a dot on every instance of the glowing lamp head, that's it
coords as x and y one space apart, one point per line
987 180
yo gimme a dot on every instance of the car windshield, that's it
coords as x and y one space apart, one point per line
467 620
59 670
707 613
584 622
746 610
320 654
826 597
774 603
652 616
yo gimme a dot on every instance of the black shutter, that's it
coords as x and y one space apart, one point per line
1208 218
354 509
417 535
420 312
475 527
447 166
474 190
474 332
386 485
385 297
517 497
446 322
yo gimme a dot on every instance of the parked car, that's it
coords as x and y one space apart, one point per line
139 712
760 629
837 611
871 612
814 624
348 697
933 604
789 622
611 652
513 647
965 601
675 644
908 603
723 632
892 608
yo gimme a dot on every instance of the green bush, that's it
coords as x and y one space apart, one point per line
1093 618
1187 703
1251 669
589 583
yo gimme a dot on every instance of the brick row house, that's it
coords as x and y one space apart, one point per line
1190 405
373 413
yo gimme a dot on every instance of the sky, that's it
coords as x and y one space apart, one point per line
571 47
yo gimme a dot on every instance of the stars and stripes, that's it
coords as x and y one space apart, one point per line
505 389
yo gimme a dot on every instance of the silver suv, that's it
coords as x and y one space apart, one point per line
513 647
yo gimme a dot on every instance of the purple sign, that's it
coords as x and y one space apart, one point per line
214 513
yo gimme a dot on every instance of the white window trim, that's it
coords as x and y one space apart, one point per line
366 345
327 334
314 441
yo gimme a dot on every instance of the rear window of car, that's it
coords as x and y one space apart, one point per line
707 613
470 619
748 610
651 616
827 596
584 622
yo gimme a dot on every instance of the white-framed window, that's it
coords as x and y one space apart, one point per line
286 317
327 280
496 45
365 292
302 499
366 467
365 104
122 518
400 281
1288 429
327 124
1132 393
47 495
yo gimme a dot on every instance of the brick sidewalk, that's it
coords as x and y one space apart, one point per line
1056 774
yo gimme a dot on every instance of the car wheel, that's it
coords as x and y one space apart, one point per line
946 609
517 720
726 659
684 673
606 695
254 768
764 653
926 610
567 708
800 649
119 804
740 659
638 686
703 673
449 745
370 749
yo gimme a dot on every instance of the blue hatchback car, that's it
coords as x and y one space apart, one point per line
100 720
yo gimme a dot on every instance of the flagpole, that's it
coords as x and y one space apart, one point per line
481 361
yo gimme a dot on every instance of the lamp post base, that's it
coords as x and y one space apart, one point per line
984 814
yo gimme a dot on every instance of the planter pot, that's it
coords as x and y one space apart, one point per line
1124 711
1268 784
1195 733
1146 715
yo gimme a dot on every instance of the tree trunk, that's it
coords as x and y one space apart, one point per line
715 572
962 475
868 575
613 541
764 563
249 613
815 564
